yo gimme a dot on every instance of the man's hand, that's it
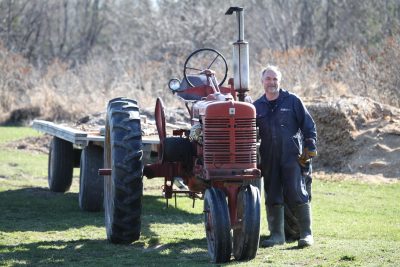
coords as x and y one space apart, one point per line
309 151
310 148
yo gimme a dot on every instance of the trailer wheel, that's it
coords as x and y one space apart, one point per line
123 190
217 225
246 236
60 165
91 185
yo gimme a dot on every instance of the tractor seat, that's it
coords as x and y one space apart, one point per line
201 90
196 93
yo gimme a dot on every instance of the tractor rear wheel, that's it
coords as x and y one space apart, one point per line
217 225
60 165
91 185
246 236
123 190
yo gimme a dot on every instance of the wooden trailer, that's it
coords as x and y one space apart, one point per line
76 148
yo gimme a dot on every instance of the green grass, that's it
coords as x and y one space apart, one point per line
355 224
8 134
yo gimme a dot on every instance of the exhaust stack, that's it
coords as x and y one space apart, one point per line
240 56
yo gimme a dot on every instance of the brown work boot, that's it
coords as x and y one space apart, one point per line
304 214
276 227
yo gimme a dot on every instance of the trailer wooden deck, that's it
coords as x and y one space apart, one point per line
76 136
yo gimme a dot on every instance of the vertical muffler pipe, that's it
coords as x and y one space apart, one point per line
240 56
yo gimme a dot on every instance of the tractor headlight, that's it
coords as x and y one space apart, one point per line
174 84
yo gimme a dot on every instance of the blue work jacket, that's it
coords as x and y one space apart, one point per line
283 126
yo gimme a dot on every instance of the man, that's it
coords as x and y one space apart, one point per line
285 126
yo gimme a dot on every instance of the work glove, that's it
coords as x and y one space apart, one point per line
310 148
309 151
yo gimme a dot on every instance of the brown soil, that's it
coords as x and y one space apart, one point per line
37 144
357 136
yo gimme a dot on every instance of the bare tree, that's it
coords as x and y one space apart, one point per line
43 30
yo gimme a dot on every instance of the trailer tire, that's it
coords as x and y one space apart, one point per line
60 165
123 190
91 184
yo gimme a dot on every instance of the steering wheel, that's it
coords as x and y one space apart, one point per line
203 59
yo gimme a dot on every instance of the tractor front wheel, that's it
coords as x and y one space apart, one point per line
246 235
217 224
123 190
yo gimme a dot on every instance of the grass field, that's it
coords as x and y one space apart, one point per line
355 224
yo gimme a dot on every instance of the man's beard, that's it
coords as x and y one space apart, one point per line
272 89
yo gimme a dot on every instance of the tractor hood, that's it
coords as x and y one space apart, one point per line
223 109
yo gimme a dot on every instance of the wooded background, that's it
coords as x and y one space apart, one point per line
68 57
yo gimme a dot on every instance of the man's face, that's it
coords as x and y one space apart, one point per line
270 82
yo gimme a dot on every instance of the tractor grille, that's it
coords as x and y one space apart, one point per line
230 140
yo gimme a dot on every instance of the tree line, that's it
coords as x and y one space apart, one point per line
73 30
62 54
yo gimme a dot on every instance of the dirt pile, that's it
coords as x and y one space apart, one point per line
357 135
37 144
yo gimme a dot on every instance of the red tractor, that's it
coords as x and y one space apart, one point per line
216 159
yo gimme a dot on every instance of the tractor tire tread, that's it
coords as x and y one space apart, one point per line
126 157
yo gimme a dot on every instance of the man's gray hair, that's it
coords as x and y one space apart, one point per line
274 69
